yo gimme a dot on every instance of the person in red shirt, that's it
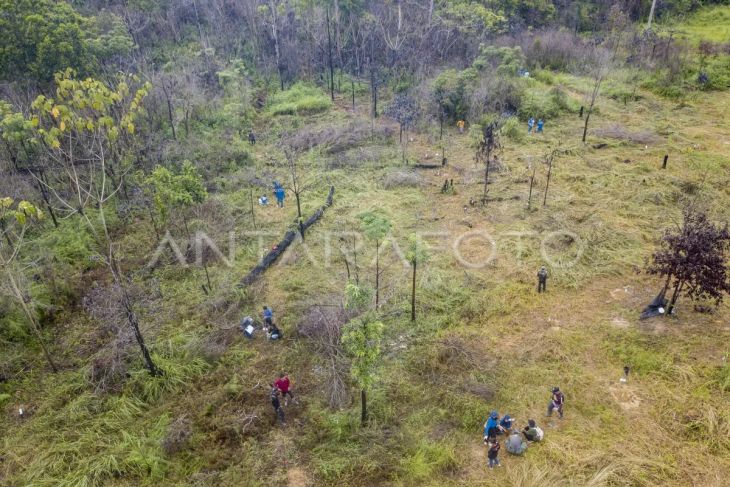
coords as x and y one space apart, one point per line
283 384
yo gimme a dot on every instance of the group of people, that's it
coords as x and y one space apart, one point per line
281 389
531 125
516 441
279 193
248 326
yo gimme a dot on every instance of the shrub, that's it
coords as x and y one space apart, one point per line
454 89
544 76
178 436
429 459
300 99
513 130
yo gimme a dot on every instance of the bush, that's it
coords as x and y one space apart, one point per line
429 459
544 76
505 60
300 99
513 130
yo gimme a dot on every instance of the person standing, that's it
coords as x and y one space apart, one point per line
268 316
530 125
284 385
493 451
540 124
276 404
557 402
542 276
280 195
251 138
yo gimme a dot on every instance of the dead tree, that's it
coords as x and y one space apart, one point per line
485 150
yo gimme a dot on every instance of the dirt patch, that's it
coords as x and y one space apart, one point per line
625 397
621 292
619 322
297 477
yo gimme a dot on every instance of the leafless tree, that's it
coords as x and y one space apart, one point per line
300 182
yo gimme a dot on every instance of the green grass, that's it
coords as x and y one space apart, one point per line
707 24
300 99
483 339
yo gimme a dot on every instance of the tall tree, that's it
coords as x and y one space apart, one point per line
300 182
403 110
601 67
361 338
416 253
694 259
86 131
376 227
486 147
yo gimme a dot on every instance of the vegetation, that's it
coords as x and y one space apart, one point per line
138 141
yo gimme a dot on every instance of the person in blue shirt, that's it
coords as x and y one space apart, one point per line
530 124
506 423
491 427
280 194
540 124
268 315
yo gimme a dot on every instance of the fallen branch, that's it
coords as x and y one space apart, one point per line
289 237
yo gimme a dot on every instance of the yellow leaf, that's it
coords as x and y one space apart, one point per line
130 127
34 121
62 126
6 202
55 112
55 144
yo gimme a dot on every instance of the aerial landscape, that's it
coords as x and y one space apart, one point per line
364 243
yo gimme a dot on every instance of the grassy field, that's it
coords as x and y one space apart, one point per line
709 24
484 339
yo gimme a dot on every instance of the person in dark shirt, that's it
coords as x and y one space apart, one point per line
251 138
557 402
273 332
276 404
542 276
493 445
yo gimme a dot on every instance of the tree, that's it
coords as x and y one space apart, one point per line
549 159
270 12
16 133
14 222
417 253
361 338
403 110
598 74
376 227
299 184
694 257
86 131
42 37
488 144
178 192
